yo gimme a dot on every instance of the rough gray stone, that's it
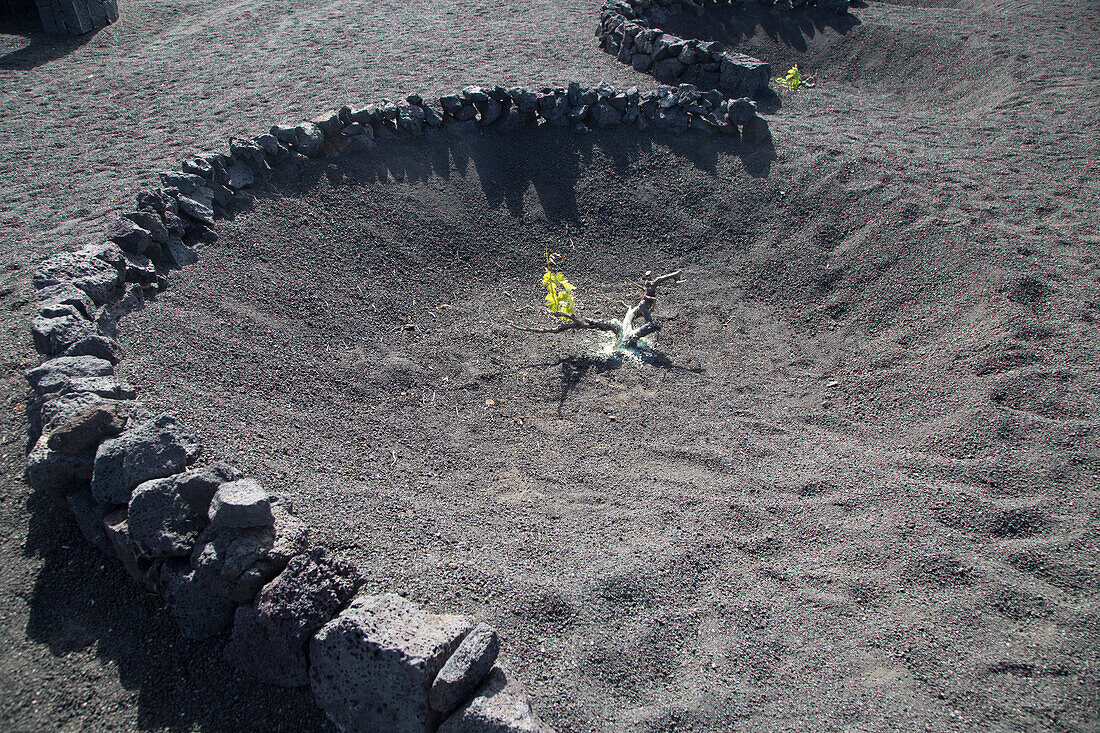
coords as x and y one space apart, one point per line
129 236
269 638
89 515
253 650
308 139
151 223
108 387
185 183
55 374
153 449
242 504
490 110
606 115
168 514
53 335
741 111
65 294
197 599
641 62
99 346
51 410
451 104
198 166
248 559
371 666
477 95
249 152
240 176
743 76
179 254
329 124
140 268
141 570
410 119
58 474
87 428
465 670
312 588
291 538
500 706
197 210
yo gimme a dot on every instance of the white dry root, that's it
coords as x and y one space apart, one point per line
626 332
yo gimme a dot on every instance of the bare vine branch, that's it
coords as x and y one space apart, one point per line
626 335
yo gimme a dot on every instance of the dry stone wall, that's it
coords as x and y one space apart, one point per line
228 556
628 30
76 17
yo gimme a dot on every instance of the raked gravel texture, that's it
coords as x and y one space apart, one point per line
1012 175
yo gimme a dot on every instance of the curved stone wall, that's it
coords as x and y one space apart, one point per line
227 555
628 30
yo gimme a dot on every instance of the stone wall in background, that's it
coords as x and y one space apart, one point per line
230 558
628 30
75 17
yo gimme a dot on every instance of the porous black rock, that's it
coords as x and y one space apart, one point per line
269 637
153 449
167 515
198 600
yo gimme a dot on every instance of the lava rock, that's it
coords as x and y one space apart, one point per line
96 269
240 176
196 210
129 236
55 297
153 449
144 572
198 166
269 638
606 115
53 375
451 104
87 428
248 152
741 111
743 76
139 269
247 559
308 139
53 335
198 600
500 706
98 346
168 514
89 515
241 504
185 183
382 648
755 131
150 222
465 670
179 254
58 474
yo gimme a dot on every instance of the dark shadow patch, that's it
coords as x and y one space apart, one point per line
83 600
41 48
735 24
1019 605
1066 576
1028 291
943 570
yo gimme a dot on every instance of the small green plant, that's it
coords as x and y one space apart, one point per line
560 305
794 79
559 291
